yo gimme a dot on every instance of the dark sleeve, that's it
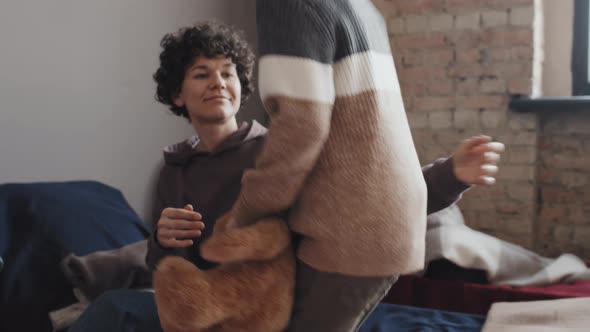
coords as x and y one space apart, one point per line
155 251
296 28
443 186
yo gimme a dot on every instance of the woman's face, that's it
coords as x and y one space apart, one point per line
211 90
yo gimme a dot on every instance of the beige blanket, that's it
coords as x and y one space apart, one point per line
505 263
540 316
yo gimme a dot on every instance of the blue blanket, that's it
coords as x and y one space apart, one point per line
40 223
393 318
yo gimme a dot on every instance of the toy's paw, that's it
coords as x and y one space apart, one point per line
175 266
219 250
262 240
224 223
174 273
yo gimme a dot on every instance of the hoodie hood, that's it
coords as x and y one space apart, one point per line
181 153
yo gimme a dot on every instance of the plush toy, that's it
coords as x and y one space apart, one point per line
251 289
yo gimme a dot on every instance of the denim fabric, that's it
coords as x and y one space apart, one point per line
122 310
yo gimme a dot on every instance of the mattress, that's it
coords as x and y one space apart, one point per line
465 297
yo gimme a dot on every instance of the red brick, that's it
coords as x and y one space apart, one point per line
411 59
482 101
492 119
552 213
520 86
471 71
508 37
439 57
468 86
471 5
494 18
563 160
441 119
507 207
418 89
416 24
572 143
466 119
513 70
465 5
420 41
505 4
434 103
523 16
555 195
468 56
464 39
405 7
579 215
546 176
514 53
421 73
467 21
441 87
522 155
493 86
521 137
386 7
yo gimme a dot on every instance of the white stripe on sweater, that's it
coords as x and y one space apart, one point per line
367 71
306 79
296 77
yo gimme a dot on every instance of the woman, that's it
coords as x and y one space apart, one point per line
204 76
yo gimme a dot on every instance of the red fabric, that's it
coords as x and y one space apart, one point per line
469 298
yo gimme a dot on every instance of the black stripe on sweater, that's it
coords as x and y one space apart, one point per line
322 30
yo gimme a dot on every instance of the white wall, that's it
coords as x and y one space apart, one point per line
76 92
243 15
558 30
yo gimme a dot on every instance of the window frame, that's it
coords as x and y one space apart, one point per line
580 51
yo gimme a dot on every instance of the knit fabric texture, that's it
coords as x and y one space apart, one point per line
339 152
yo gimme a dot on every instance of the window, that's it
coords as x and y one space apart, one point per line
580 54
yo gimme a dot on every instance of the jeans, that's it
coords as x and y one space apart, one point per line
331 302
121 310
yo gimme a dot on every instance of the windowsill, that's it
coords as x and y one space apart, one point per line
554 104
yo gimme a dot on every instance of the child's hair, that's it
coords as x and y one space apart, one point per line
209 39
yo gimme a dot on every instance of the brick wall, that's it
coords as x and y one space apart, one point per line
564 183
458 62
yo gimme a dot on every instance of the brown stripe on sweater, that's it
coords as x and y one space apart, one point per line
363 208
358 191
297 132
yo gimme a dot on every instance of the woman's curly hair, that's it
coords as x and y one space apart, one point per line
208 39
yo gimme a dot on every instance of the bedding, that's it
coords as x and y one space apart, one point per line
391 317
472 298
566 315
467 271
40 223
504 263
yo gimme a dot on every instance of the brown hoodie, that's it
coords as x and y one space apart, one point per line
210 181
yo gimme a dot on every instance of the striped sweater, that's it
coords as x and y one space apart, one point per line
339 152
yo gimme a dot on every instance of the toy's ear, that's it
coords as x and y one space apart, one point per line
262 240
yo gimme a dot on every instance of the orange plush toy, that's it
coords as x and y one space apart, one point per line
251 289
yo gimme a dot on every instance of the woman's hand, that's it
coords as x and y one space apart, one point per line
475 160
177 227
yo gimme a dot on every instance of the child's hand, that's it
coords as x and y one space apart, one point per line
475 160
177 227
